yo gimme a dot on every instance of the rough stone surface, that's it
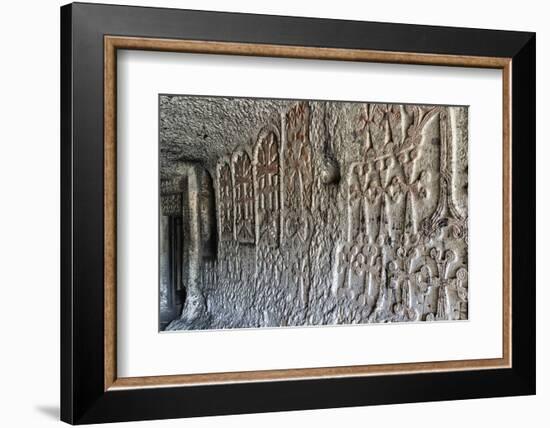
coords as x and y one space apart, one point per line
202 129
325 212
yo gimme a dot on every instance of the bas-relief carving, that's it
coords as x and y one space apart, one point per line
225 202
340 213
267 188
243 197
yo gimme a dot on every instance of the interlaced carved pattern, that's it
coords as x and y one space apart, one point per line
446 214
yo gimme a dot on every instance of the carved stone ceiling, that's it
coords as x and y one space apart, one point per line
194 130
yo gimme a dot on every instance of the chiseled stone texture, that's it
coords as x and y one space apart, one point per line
325 212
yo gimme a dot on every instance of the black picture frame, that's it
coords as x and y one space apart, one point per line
83 396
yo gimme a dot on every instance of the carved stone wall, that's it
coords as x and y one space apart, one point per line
339 213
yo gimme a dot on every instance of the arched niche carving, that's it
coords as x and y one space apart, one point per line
267 187
225 201
243 191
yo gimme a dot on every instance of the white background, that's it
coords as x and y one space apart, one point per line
29 219
143 352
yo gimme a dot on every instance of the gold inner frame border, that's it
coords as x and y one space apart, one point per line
114 43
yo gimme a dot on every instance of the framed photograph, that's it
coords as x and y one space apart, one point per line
266 213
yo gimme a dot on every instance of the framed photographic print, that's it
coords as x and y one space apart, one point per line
265 213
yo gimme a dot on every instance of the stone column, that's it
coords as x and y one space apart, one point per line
198 232
192 251
166 288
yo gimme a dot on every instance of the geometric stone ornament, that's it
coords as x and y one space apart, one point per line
267 187
326 212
